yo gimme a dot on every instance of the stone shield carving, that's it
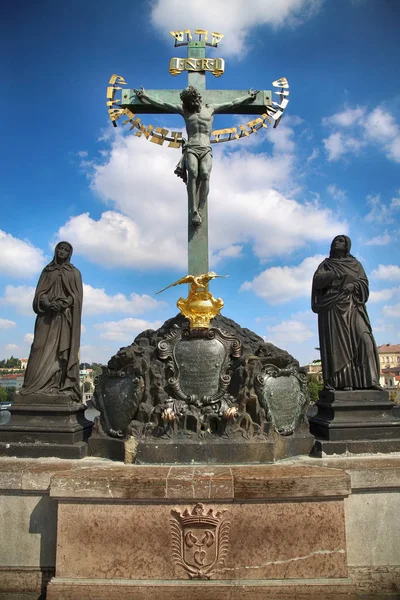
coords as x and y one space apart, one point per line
282 394
198 363
118 398
200 540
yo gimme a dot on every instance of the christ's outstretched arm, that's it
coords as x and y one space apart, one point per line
237 102
167 106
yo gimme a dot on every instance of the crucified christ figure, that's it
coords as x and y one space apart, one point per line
196 162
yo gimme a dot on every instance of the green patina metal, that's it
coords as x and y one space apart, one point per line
198 260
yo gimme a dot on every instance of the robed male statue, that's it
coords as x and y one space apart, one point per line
196 163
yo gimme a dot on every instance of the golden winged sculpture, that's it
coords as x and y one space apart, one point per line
200 306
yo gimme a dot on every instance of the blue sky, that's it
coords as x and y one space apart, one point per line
277 198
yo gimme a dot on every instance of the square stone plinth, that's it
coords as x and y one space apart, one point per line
211 524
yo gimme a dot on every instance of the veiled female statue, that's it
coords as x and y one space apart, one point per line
339 293
53 365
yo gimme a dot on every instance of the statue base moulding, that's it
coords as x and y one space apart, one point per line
161 532
356 422
220 395
45 425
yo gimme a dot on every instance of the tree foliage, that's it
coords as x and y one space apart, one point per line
314 388
10 363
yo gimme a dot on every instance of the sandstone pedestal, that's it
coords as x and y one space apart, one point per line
355 422
45 425
141 532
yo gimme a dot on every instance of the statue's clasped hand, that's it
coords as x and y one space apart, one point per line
348 288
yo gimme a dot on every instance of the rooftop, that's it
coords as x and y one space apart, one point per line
394 348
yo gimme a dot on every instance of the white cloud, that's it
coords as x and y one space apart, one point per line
115 240
100 353
380 212
391 272
20 297
355 128
380 240
282 284
234 18
97 301
336 193
126 329
337 144
6 324
289 332
392 311
346 117
11 347
395 203
381 295
28 338
19 258
249 203
314 154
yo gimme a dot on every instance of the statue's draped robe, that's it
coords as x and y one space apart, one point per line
348 352
53 364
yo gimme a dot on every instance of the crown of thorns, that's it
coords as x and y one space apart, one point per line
190 92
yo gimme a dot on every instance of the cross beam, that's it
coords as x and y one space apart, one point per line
197 236
135 105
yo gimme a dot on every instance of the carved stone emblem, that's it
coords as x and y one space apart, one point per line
283 395
200 540
199 363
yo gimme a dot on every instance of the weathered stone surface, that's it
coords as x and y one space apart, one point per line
316 589
162 482
28 526
16 581
223 383
45 425
369 524
266 541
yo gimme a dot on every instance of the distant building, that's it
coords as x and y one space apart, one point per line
389 355
389 359
314 370
15 380
86 379
24 362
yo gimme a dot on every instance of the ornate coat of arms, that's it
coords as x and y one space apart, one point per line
200 540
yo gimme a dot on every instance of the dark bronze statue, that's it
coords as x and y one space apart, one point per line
339 293
196 163
53 365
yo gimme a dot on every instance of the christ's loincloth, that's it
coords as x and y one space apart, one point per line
199 152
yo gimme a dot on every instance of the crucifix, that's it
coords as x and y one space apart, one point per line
197 105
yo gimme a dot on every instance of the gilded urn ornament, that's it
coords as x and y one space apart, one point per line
200 307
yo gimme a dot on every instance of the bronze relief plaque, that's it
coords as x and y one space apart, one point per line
282 393
200 362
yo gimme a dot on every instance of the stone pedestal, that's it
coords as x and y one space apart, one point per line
211 451
356 422
201 533
45 425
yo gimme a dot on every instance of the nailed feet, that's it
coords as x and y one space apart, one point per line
196 219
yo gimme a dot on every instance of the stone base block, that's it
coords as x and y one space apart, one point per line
200 532
104 446
214 451
17 580
43 449
355 415
329 447
282 589
45 425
